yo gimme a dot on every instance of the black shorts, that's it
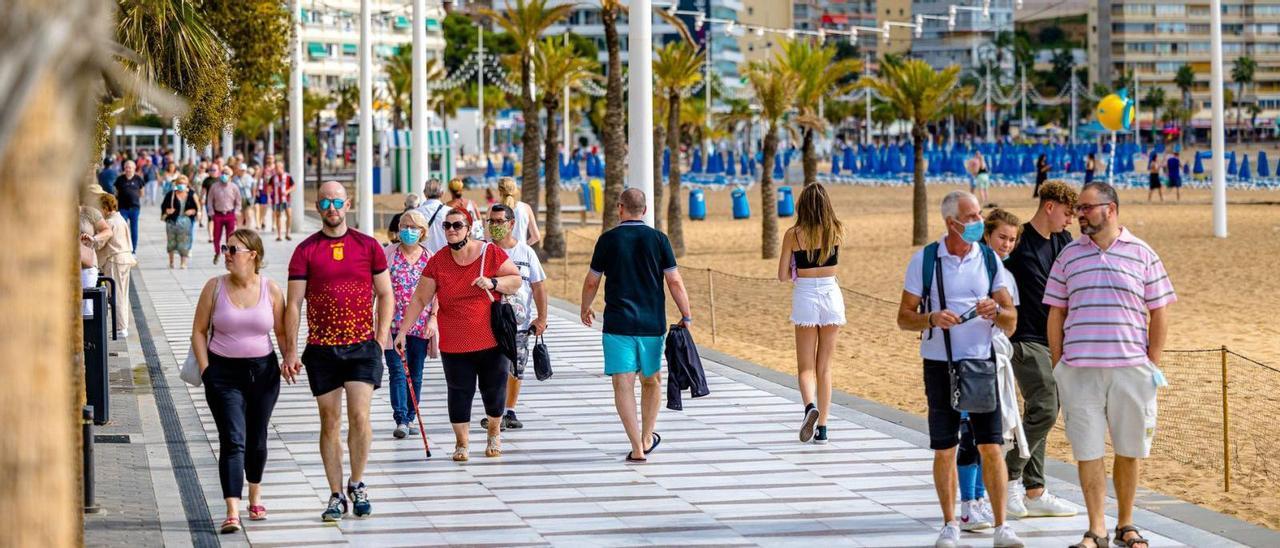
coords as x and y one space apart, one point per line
330 367
1153 181
944 421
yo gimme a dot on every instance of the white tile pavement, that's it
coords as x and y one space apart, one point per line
729 471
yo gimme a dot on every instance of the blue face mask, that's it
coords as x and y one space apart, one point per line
409 235
972 232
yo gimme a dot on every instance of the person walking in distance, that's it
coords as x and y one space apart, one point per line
224 202
635 260
1108 296
810 253
1153 177
1042 239
1042 174
530 302
130 191
1173 168
977 298
282 188
465 279
407 258
1090 167
239 369
178 209
248 185
340 273
116 259
526 225
434 211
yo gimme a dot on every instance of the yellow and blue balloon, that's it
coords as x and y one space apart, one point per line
1115 111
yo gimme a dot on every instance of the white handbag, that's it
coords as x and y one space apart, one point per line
190 371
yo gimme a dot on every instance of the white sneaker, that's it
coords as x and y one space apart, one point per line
401 431
949 537
987 512
1047 505
123 333
972 517
1006 538
1015 496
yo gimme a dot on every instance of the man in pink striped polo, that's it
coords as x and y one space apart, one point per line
1108 293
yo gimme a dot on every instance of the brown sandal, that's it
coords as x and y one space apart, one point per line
1123 530
1098 541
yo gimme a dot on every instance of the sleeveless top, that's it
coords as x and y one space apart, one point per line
802 261
242 332
521 227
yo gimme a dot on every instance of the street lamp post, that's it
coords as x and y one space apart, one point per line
1218 164
418 168
297 164
364 152
640 103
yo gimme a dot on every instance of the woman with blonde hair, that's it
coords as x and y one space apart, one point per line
526 228
115 258
810 252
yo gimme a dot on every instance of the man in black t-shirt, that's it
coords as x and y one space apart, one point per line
129 193
635 260
1042 239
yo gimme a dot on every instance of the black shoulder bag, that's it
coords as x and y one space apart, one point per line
502 317
973 381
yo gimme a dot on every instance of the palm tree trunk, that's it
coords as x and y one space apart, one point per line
919 196
768 201
659 137
809 158
615 126
675 226
529 141
553 234
38 398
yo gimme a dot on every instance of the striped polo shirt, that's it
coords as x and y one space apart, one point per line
1107 295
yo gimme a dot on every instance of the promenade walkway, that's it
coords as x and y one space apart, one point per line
729 471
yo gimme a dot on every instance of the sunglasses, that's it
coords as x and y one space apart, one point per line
457 225
496 221
335 203
1083 209
232 250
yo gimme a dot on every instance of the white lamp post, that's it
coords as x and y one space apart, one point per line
297 163
640 104
364 152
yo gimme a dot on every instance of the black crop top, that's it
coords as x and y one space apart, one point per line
802 258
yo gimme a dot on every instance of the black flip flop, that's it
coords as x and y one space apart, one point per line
632 459
657 439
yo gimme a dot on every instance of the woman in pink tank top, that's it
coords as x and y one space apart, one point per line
231 339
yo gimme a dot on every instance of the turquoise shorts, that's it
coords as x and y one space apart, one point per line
630 354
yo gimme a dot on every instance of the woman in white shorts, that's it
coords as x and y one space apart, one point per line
810 252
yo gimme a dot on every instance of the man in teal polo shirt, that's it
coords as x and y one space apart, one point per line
634 259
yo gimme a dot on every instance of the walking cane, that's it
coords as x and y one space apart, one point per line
413 397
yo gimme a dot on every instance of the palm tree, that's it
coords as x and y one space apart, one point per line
525 20
775 90
1155 98
961 110
399 69
556 67
740 114
1185 79
1177 112
175 47
313 103
1254 110
819 75
615 138
920 93
677 67
495 101
659 139
1242 74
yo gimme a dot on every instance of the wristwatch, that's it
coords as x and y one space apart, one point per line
687 320
494 281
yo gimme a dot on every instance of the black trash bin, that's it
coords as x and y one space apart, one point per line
96 382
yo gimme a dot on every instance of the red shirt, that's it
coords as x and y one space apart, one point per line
464 308
339 274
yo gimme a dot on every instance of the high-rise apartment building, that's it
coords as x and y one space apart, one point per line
969 44
1155 39
331 38
763 13
842 15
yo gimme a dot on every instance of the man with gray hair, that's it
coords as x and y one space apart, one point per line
435 211
961 285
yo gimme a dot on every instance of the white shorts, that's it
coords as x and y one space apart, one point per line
1095 400
817 301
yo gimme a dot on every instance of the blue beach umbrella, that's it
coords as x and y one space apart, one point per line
1245 175
666 162
696 165
1198 169
1264 170
1231 166
508 168
489 172
835 164
730 167
849 163
779 172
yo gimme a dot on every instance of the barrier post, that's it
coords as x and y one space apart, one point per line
711 296
1226 428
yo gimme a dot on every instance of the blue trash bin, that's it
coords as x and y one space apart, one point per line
786 204
741 209
697 205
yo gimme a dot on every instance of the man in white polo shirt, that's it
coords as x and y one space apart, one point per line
977 297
